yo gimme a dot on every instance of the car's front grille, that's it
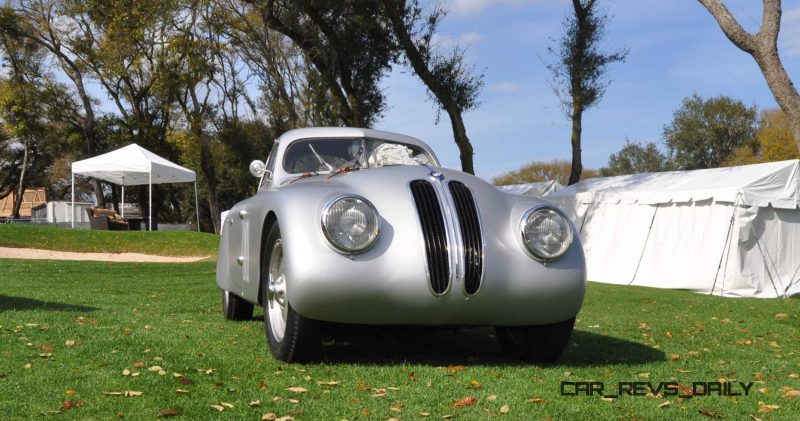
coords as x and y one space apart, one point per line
470 235
434 234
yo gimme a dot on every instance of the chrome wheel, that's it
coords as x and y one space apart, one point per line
277 306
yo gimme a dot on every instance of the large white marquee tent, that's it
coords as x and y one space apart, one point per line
134 165
725 231
536 189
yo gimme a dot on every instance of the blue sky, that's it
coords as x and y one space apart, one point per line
676 49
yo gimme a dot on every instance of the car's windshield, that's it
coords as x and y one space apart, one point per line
328 155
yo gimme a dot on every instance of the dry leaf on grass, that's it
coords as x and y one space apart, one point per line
297 389
328 383
182 391
792 394
219 408
536 400
254 403
167 413
127 393
766 408
505 409
491 398
467 401
664 404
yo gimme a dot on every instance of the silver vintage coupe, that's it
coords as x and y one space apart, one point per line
365 227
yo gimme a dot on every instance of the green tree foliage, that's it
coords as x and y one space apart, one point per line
579 69
704 132
634 158
452 84
558 170
774 142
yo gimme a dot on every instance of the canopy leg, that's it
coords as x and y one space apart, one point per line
150 208
196 207
122 208
73 201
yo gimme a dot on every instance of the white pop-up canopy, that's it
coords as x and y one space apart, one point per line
134 165
725 231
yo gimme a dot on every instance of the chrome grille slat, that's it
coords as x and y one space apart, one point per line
470 226
434 234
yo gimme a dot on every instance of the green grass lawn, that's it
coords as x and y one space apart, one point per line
73 332
162 243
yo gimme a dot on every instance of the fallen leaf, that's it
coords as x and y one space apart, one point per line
726 320
45 355
763 389
182 391
710 413
127 393
684 371
412 376
469 400
675 357
794 376
28 365
474 384
792 394
644 375
262 385
294 401
286 418
254 403
155 368
71 404
226 404
766 408
664 404
296 389
185 380
47 348
424 414
139 364
269 416
537 400
379 393
607 399
492 398
219 408
69 342
781 316
328 383
167 413
505 409
126 372
567 373
455 368
70 392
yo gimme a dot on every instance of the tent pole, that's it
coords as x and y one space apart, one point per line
196 207
122 208
73 200
150 208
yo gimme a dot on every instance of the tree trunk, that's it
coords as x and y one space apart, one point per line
421 69
763 47
577 166
22 182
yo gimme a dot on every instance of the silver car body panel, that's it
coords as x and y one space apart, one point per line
389 283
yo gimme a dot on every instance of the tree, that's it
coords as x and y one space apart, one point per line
774 142
635 158
36 21
451 83
763 47
703 133
558 170
579 69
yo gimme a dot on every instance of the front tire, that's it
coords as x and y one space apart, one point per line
290 336
235 307
541 343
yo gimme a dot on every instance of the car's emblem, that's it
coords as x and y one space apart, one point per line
435 174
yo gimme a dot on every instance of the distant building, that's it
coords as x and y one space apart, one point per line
30 199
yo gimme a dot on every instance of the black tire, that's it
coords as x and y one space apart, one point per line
235 307
301 337
541 343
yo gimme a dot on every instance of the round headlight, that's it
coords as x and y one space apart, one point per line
350 224
546 233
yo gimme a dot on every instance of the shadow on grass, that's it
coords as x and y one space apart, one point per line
466 346
22 303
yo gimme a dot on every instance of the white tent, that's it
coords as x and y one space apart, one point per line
725 231
134 165
537 189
